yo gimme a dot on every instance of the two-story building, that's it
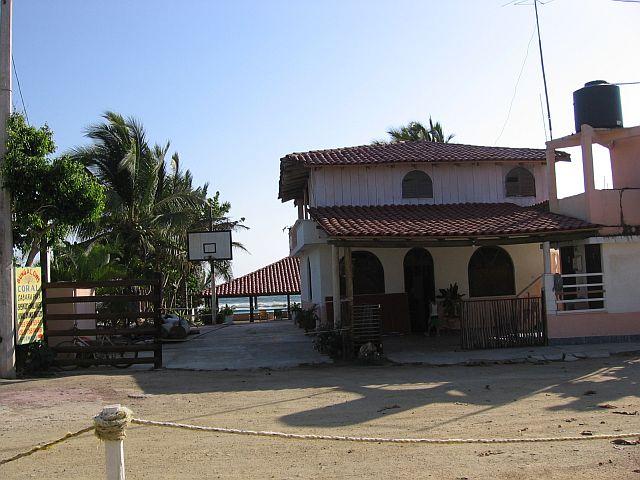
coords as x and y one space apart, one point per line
392 224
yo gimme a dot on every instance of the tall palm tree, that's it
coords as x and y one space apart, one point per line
151 203
416 131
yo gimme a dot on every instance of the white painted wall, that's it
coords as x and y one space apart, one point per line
452 183
621 267
450 266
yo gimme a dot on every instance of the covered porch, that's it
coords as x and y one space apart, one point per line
409 260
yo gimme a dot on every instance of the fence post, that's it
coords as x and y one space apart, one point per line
111 424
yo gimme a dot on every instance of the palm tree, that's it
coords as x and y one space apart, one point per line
151 203
416 131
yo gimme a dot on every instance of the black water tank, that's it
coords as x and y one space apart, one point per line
597 104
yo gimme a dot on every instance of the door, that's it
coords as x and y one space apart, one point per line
419 284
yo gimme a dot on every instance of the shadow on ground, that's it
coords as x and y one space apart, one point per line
577 386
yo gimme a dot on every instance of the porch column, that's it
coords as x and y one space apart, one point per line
251 309
335 280
551 178
348 273
288 307
548 283
586 144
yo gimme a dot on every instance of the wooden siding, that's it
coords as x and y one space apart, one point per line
452 183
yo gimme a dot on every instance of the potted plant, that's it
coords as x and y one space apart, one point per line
295 312
450 300
308 318
227 313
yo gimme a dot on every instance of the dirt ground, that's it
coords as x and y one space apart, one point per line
396 401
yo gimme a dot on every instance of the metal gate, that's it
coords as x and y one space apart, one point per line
501 323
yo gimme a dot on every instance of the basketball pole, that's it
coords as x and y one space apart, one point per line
214 299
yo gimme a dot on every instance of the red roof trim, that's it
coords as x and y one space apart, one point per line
279 278
419 152
442 221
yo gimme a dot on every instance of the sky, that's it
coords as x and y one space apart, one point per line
235 85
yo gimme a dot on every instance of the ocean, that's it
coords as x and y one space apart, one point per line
269 303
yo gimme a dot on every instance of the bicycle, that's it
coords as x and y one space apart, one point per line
100 341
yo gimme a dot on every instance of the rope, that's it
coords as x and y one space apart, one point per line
44 446
111 423
343 438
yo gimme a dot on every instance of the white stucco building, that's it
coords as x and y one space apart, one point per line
414 217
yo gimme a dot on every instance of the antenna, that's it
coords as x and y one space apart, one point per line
544 75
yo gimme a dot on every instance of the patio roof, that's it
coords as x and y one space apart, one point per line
463 220
279 278
294 167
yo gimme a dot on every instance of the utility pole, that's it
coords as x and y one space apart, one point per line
544 75
214 301
7 307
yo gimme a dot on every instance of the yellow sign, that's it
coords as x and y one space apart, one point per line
28 305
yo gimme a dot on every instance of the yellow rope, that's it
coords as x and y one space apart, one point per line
344 438
47 445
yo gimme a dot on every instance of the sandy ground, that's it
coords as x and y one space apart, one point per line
499 401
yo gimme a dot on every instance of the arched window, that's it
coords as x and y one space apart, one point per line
417 184
368 274
491 273
520 183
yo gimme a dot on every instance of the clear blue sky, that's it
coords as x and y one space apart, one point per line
235 85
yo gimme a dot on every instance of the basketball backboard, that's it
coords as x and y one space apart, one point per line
214 245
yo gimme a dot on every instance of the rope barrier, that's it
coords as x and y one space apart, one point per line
346 438
113 428
44 446
111 423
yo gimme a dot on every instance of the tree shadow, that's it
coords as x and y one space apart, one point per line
389 390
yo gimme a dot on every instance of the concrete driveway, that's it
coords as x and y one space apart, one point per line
275 344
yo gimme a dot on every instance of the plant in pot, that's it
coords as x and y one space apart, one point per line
450 300
295 313
227 313
308 318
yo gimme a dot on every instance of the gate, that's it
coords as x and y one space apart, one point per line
114 322
501 323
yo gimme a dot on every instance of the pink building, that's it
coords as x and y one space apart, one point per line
597 285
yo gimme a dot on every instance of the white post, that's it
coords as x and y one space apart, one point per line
335 280
548 283
7 310
110 425
214 300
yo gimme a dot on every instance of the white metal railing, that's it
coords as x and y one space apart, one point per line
581 292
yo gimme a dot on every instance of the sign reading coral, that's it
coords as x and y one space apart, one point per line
28 305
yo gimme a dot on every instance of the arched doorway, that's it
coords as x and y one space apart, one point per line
419 284
491 273
368 274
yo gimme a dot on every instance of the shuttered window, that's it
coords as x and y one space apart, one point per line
520 183
417 184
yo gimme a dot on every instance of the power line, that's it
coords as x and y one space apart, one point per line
24 107
515 88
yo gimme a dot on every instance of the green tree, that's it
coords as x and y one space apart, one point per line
49 197
416 131
151 203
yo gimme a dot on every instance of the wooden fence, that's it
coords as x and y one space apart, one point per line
116 322
500 323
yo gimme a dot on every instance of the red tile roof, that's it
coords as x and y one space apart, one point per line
294 168
443 221
419 151
279 278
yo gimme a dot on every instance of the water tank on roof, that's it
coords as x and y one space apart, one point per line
597 104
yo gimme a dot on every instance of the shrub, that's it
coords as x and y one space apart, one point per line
329 342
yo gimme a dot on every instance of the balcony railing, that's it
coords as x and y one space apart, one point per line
580 292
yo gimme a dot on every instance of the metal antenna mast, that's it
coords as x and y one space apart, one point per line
544 75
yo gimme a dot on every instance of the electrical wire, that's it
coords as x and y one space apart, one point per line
515 88
24 107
